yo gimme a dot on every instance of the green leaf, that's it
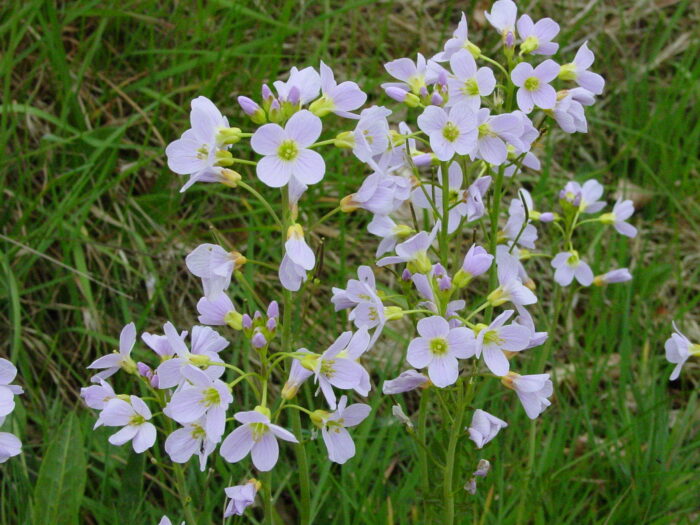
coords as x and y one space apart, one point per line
61 483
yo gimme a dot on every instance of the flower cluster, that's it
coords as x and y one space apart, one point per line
10 445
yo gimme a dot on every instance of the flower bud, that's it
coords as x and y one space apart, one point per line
436 99
445 283
230 178
271 324
275 111
144 370
393 313
347 204
246 322
482 468
228 135
252 109
423 159
234 320
406 275
614 276
258 341
547 216
273 310
344 140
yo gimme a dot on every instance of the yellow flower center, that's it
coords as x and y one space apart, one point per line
532 84
288 150
438 346
450 131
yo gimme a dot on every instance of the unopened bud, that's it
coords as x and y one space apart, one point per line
228 135
246 322
393 313
258 341
347 204
230 178
234 320
344 140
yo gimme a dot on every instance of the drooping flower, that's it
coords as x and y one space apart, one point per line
569 265
189 440
97 396
525 319
475 206
510 286
459 41
8 372
297 376
298 259
484 427
578 71
414 252
468 84
384 226
218 311
380 193
569 114
286 152
502 17
115 361
160 344
438 349
336 98
451 132
678 349
333 426
537 37
621 275
241 496
494 133
533 391
361 296
476 262
518 227
214 265
533 83
405 382
492 340
257 436
134 418
622 211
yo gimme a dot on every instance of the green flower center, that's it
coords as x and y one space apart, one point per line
327 368
532 84
450 131
573 259
485 130
471 87
198 432
203 152
288 150
259 430
491 337
136 420
211 397
438 346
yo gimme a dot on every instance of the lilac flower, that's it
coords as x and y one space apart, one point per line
443 282
475 198
218 311
241 496
7 391
195 152
297 376
568 266
191 439
117 360
160 344
493 134
537 37
257 436
405 382
338 441
511 287
359 292
252 109
414 252
286 151
450 133
459 41
438 349
493 339
390 232
201 396
534 85
468 84
484 427
570 115
502 17
678 349
298 259
476 262
586 197
134 417
525 319
622 211
97 396
301 88
516 227
380 193
411 74
214 266
338 366
336 98
578 71
621 275
371 135
533 391
10 445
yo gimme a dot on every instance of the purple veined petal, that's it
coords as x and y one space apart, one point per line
626 229
390 260
547 49
327 390
124 435
432 327
327 78
463 64
300 253
521 73
170 372
506 124
493 150
401 68
140 407
8 372
347 374
267 139
546 29
304 127
466 143
348 96
486 81
584 57
186 406
496 360
525 100
296 189
175 339
107 361
7 401
502 319
215 422
525 26
420 196
444 149
432 120
339 444
205 118
273 171
309 167
237 444
145 438
560 259
593 82
463 116
454 175
420 281
515 337
251 416
462 342
419 354
205 340
564 275
545 97
340 343
180 445
531 403
443 370
283 433
547 71
355 414
359 343
182 155
584 274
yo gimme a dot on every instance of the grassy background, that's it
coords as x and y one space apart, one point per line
94 234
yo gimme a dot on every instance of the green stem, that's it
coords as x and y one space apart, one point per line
264 202
422 451
444 236
182 491
495 213
267 497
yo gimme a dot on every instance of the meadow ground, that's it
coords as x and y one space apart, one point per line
94 233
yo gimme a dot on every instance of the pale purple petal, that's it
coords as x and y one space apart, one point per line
237 444
265 452
309 167
304 127
267 139
273 171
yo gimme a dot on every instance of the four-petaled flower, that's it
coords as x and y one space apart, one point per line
450 132
533 83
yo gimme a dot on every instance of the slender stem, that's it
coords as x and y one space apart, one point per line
422 451
182 491
444 236
325 218
263 201
267 497
493 237
322 143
